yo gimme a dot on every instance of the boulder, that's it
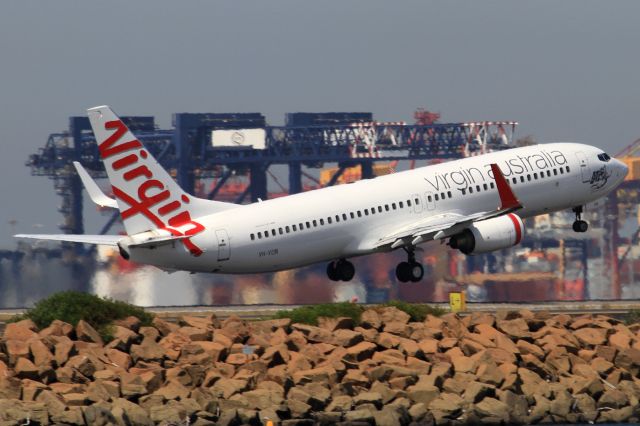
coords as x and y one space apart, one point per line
21 330
225 388
360 352
346 338
63 349
423 393
162 326
476 391
196 334
492 408
428 346
147 351
16 349
86 333
334 324
613 398
132 323
131 413
370 318
590 336
25 369
517 327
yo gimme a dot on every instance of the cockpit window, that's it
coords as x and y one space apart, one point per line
604 157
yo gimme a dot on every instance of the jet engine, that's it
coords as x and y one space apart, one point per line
489 235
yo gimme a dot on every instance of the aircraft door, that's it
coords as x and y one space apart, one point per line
584 166
417 206
431 200
224 246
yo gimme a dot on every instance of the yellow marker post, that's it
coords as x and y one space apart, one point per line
457 302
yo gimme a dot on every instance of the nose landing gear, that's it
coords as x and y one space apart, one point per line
341 270
409 270
579 225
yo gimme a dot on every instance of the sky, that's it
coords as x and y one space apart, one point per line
567 71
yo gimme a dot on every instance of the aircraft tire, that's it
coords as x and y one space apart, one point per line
332 271
403 272
580 226
416 272
345 270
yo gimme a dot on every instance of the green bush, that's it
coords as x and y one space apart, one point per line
632 317
417 312
310 314
73 306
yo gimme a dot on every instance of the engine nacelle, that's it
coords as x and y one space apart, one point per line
489 235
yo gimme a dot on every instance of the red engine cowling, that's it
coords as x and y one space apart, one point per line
489 235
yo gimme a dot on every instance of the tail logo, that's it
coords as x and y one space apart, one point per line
153 200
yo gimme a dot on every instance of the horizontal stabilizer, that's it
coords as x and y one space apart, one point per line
159 241
96 194
107 240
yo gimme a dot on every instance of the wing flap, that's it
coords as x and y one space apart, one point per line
107 240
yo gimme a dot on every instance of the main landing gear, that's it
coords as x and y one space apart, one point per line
409 270
579 225
340 270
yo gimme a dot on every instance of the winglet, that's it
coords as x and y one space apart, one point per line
97 196
508 199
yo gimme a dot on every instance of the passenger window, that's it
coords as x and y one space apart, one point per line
568 169
287 229
315 223
529 177
417 200
359 213
471 190
308 225
493 186
337 218
561 171
366 212
266 234
436 196
515 180
429 198
535 176
442 196
373 210
478 188
321 221
408 203
344 216
401 205
302 226
485 186
555 172
259 235
273 232
294 228
353 216
463 190
329 221
522 179
548 173
449 194
280 231
253 237
393 206
386 207
379 209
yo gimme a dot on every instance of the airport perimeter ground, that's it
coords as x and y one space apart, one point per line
492 365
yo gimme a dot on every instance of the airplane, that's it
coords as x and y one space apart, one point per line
475 205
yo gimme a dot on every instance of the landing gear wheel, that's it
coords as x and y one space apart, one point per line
580 226
346 270
417 272
403 272
341 270
332 271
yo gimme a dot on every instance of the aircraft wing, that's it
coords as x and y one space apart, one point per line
107 240
447 224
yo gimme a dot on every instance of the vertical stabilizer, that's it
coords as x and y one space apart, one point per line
148 198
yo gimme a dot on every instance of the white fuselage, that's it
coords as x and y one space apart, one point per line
347 220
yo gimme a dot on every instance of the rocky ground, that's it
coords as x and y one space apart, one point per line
513 367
